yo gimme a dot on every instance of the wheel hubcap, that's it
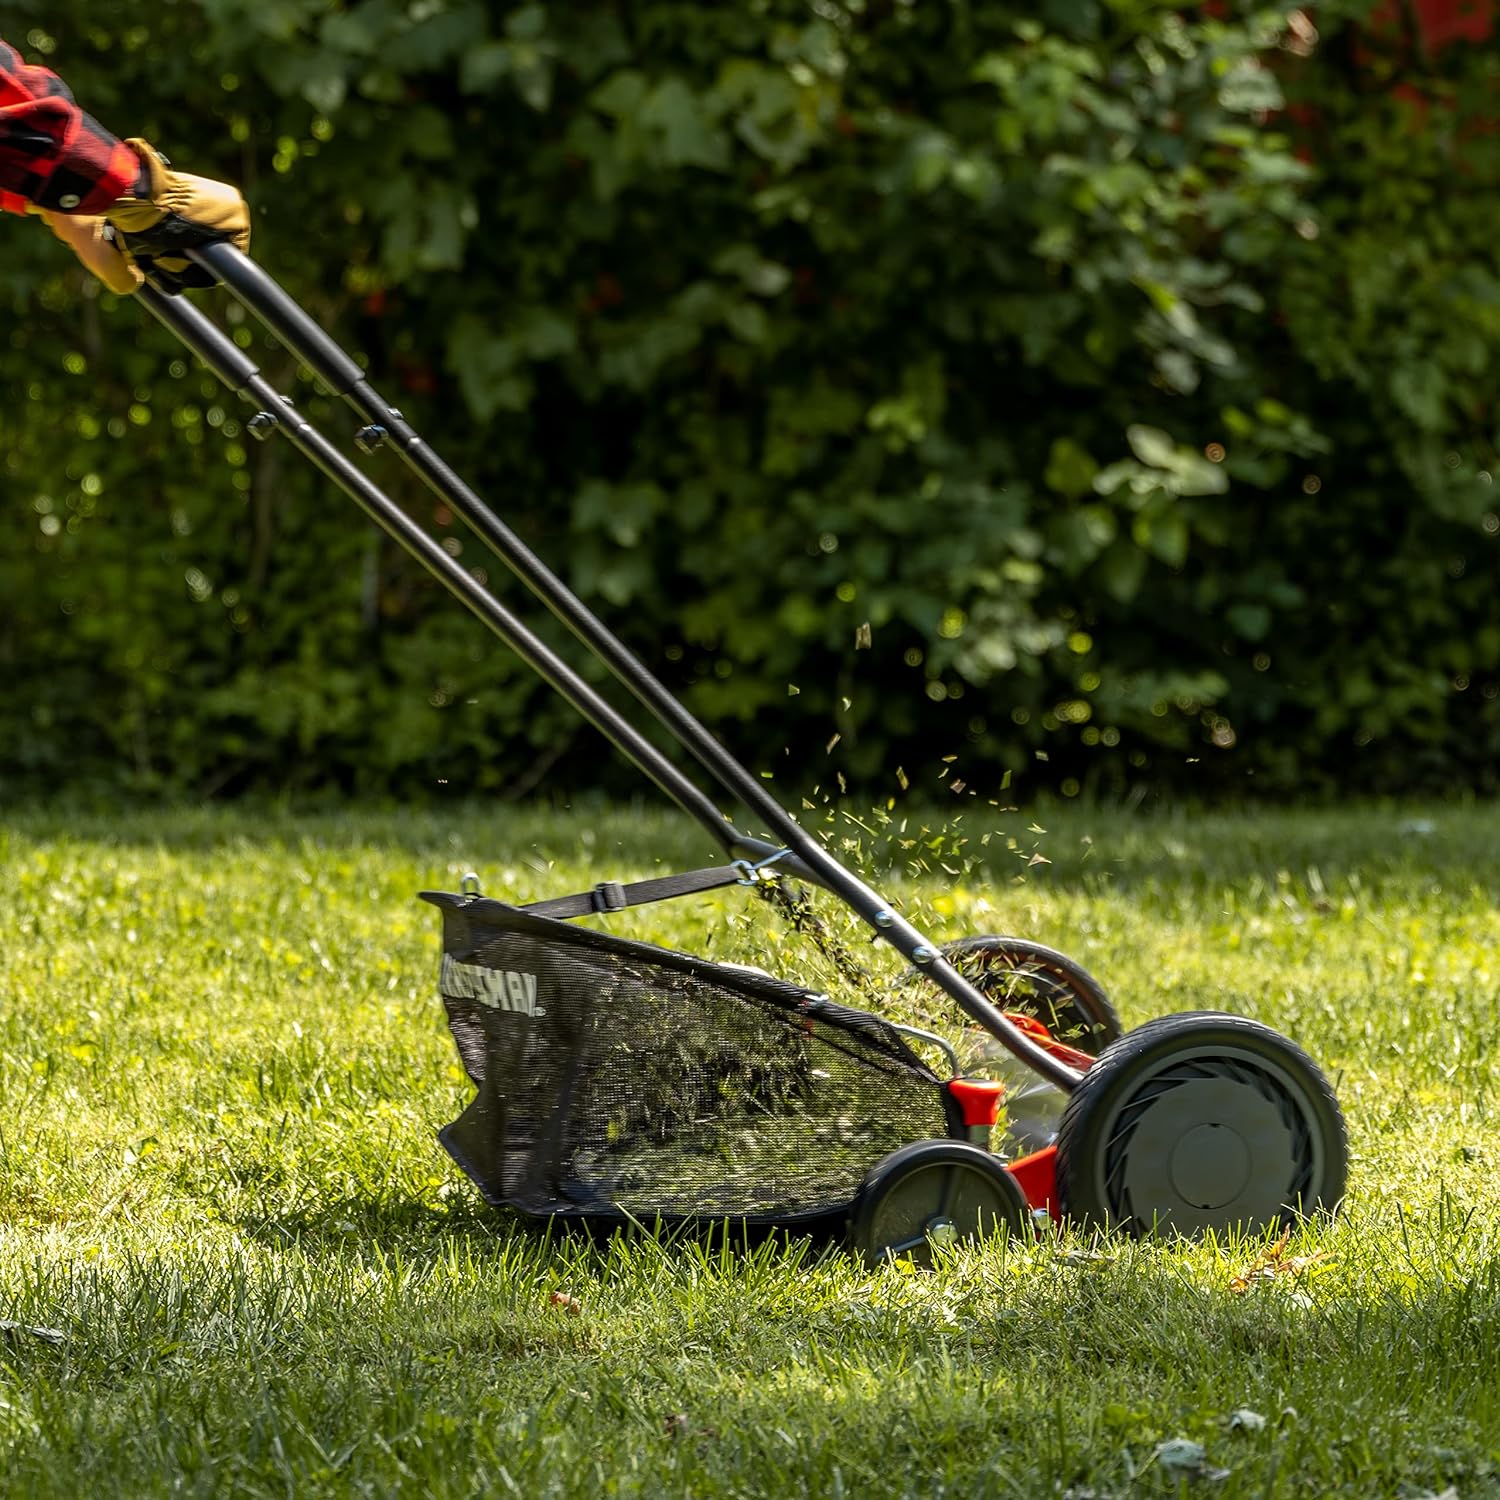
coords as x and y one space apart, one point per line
1210 1166
1204 1152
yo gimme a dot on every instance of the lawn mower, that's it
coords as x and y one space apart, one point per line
617 1081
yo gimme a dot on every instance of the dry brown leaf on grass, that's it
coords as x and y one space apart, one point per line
1273 1262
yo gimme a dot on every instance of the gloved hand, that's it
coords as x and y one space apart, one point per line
88 239
171 212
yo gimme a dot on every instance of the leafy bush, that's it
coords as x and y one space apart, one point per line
1389 663
919 381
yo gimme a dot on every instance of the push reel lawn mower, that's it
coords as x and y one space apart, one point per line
618 1081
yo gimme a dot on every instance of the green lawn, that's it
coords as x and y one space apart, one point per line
222 1061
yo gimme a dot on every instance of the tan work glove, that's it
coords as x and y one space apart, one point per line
171 212
88 240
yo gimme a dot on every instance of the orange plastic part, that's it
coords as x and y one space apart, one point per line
1037 1175
978 1098
1033 1028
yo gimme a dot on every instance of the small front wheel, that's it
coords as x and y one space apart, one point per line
1201 1122
931 1194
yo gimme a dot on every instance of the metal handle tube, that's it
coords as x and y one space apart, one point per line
207 343
261 294
276 308
241 375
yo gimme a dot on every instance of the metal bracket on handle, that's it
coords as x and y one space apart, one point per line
751 873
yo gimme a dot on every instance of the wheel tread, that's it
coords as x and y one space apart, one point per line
1074 1142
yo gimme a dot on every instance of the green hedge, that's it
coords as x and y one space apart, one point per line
926 390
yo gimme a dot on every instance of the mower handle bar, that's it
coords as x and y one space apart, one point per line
809 859
276 414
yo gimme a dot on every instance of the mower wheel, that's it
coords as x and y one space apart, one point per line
931 1194
1014 974
1197 1122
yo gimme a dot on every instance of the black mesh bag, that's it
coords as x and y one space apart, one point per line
619 1080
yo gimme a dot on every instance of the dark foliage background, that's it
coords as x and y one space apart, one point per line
1083 392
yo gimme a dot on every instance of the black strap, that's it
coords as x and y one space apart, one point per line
610 895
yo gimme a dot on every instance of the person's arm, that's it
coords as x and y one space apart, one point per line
116 204
53 155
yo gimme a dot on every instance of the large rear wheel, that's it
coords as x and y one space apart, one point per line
1201 1121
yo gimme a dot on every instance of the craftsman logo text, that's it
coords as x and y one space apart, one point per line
500 989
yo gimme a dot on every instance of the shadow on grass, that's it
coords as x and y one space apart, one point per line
409 1225
418 1229
981 1370
502 832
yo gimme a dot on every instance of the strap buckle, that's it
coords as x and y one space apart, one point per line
607 896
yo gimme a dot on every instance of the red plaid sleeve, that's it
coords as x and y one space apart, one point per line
51 153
